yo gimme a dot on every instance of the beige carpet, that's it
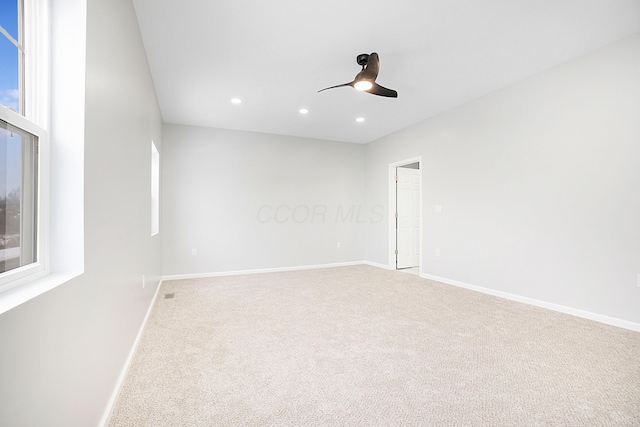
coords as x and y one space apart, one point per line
361 346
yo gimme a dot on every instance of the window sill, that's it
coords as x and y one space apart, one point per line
13 297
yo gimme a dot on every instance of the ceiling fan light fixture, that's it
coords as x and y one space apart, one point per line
363 85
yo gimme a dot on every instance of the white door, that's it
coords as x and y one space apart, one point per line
408 218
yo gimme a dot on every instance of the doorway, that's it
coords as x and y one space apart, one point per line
405 203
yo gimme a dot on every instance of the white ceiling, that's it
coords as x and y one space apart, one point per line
275 55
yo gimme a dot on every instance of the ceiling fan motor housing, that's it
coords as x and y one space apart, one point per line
362 59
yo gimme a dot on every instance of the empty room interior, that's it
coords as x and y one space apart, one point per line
228 243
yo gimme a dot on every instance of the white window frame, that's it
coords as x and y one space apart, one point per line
35 95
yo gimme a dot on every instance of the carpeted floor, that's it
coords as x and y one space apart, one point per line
362 346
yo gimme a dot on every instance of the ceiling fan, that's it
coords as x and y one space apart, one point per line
365 80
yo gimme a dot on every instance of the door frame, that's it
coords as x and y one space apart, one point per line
392 209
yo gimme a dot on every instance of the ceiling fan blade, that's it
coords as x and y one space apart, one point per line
383 91
333 87
372 68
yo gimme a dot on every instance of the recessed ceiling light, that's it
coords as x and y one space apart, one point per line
236 100
303 111
360 119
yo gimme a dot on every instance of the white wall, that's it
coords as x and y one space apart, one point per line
249 201
539 185
62 352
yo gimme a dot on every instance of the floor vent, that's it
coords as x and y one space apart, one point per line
167 296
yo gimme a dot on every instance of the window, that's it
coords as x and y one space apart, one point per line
18 197
23 139
155 190
11 55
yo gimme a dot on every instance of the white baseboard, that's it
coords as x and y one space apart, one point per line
104 421
538 303
260 270
375 264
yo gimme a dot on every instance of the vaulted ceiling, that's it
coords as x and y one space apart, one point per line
438 54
